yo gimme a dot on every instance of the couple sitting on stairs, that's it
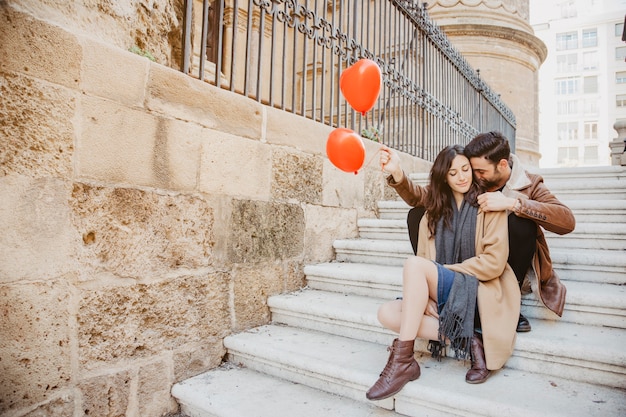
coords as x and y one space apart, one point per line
478 245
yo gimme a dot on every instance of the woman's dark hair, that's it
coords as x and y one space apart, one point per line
439 199
492 146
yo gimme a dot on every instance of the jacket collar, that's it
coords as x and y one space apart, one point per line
519 179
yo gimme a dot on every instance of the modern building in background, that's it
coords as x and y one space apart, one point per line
582 83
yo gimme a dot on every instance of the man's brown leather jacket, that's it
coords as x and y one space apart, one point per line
540 205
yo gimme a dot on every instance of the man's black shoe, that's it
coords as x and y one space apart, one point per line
523 325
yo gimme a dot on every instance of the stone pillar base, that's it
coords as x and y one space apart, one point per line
618 146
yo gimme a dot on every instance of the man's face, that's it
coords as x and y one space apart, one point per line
487 174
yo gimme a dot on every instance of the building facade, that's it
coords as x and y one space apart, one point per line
582 83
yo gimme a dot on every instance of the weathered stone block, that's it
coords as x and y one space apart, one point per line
34 343
36 132
124 145
198 357
295 131
112 73
253 284
296 176
139 234
178 95
292 273
61 406
374 188
153 390
137 321
342 189
323 226
235 166
263 231
45 51
116 143
106 395
36 240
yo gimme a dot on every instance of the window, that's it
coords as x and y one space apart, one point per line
590 85
566 41
590 38
591 155
620 53
620 77
567 131
567 9
619 29
590 60
567 86
620 100
567 63
591 130
590 106
566 107
567 155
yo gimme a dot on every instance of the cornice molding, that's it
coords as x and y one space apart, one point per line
528 40
518 7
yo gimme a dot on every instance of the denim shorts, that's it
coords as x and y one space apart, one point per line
445 277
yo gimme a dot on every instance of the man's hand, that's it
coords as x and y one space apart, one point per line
495 201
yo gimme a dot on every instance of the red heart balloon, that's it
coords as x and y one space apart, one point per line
345 149
360 84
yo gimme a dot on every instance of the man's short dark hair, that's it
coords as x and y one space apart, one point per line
492 146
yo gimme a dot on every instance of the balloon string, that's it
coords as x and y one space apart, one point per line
371 159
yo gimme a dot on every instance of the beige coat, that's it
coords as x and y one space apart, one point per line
498 290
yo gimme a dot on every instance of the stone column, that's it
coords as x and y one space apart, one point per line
495 37
618 146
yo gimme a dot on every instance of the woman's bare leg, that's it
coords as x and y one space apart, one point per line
389 315
419 283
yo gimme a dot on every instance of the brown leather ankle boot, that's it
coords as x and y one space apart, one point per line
401 368
478 373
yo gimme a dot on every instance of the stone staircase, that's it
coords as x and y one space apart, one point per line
325 347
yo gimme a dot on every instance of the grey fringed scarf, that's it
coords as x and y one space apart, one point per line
454 245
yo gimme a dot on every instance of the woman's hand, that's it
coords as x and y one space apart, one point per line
390 163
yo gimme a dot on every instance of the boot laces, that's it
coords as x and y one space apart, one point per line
389 367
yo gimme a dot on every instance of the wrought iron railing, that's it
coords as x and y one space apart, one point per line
291 54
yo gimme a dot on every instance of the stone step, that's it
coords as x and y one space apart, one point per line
587 303
573 175
585 211
555 348
370 280
610 190
590 265
607 236
598 236
348 367
235 391
580 265
384 252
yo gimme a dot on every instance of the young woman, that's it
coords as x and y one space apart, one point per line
460 266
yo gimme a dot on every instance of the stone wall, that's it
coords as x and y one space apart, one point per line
144 216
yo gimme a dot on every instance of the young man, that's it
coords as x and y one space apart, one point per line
532 207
